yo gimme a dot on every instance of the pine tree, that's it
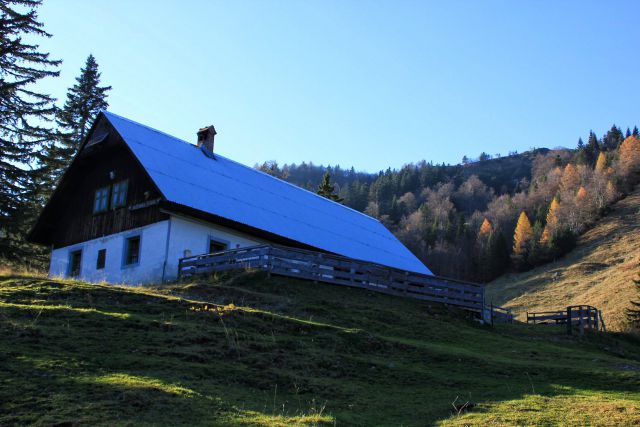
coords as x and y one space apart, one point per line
633 314
635 132
84 101
24 118
325 189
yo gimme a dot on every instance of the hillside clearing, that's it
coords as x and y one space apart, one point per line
247 350
597 272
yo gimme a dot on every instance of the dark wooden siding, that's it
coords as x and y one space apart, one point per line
69 217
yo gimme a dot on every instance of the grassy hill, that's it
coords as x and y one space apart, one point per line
598 272
247 350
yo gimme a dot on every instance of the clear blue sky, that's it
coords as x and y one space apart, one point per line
371 84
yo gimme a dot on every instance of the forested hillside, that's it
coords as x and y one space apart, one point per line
461 220
599 271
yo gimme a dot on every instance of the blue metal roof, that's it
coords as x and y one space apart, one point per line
223 187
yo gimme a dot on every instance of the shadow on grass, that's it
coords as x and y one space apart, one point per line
164 364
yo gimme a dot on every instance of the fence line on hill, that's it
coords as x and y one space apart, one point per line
339 270
580 316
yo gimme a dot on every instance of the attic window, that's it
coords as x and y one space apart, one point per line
101 200
97 139
119 194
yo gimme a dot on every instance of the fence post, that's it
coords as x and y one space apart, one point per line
269 258
179 269
491 313
569 327
580 321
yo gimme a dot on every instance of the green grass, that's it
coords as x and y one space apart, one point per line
247 350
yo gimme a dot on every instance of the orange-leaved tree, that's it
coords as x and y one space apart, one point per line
570 179
601 163
629 162
486 228
552 222
523 235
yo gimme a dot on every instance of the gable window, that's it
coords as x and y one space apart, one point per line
217 245
102 259
101 200
132 250
119 194
75 261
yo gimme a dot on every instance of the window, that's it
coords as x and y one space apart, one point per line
102 258
217 246
75 260
119 194
101 200
132 251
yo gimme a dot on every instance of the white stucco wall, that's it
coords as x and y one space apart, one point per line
184 234
153 240
192 235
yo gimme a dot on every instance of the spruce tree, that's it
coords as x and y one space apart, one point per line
84 101
635 132
24 117
325 189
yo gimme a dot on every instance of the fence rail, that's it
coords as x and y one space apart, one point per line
576 316
339 270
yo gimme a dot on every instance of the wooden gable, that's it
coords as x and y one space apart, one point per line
103 160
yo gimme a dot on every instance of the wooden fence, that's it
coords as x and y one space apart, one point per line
339 270
579 317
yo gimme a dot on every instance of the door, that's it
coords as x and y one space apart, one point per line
75 260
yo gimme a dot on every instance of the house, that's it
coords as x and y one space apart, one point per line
135 200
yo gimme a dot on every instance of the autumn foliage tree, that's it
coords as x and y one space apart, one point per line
629 159
522 241
552 222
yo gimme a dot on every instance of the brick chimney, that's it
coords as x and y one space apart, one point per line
206 136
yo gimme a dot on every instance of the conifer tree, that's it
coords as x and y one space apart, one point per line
570 179
635 132
84 101
486 228
326 188
522 242
552 222
630 157
24 117
523 235
592 148
601 163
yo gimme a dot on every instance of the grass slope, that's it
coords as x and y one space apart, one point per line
282 352
597 272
